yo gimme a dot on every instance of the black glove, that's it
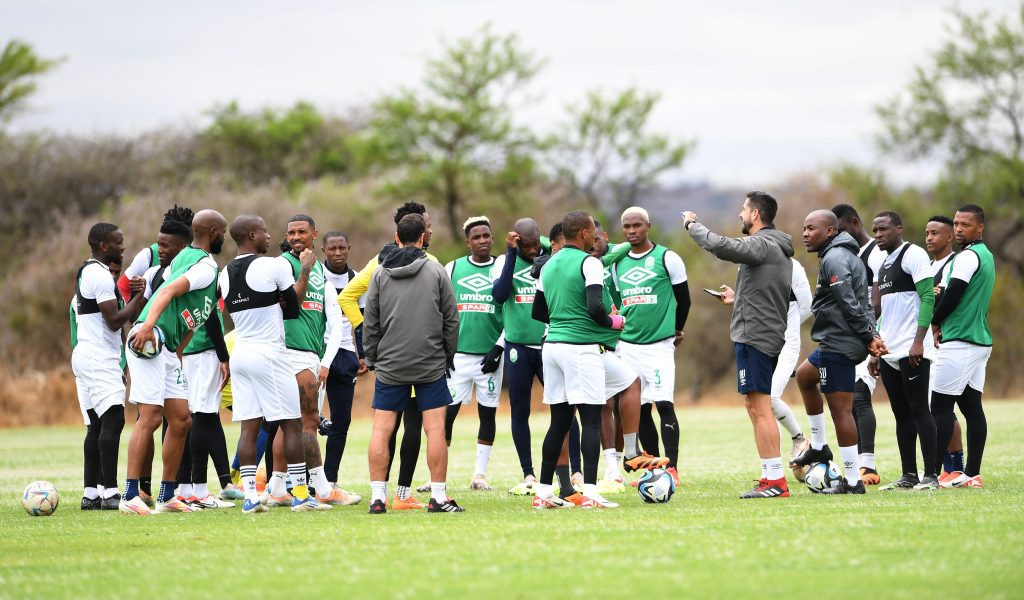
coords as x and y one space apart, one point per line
492 359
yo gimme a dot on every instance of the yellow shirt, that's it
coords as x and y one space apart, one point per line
225 394
348 299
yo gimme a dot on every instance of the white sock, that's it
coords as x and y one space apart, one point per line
378 491
109 492
276 485
185 490
773 469
851 463
403 492
543 490
320 483
297 473
611 464
437 492
590 491
764 468
249 482
91 493
483 456
817 431
629 445
784 415
201 490
867 459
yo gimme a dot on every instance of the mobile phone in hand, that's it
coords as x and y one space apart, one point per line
714 293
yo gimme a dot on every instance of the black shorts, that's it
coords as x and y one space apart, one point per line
754 370
398 398
837 373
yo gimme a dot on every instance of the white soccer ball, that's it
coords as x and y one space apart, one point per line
149 350
40 499
823 476
656 486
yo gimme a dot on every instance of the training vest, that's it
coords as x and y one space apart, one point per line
244 297
189 311
517 313
89 306
892 279
306 333
941 273
969 320
864 255
480 317
648 302
201 341
566 296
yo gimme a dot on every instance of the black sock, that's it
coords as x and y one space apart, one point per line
410 451
977 429
111 426
219 452
590 440
185 466
669 431
561 415
648 433
564 481
864 414
488 428
91 450
574 446
199 444
942 412
146 485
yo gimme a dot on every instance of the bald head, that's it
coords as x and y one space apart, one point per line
526 228
250 234
819 227
208 230
528 244
826 218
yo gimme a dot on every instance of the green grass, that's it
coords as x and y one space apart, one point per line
705 542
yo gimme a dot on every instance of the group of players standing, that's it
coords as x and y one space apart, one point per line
597 325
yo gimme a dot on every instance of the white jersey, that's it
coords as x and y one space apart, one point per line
897 324
140 263
94 337
338 281
263 325
874 259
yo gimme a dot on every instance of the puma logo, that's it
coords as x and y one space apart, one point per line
669 426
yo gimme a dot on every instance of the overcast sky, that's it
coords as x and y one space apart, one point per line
767 88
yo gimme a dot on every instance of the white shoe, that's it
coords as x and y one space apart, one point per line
800 445
597 501
135 506
210 501
554 502
480 483
577 481
424 488
525 488
175 505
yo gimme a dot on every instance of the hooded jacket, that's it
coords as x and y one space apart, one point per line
763 284
844 321
411 322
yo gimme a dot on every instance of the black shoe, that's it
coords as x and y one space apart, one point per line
93 503
846 488
377 507
811 456
448 505
112 502
907 482
324 426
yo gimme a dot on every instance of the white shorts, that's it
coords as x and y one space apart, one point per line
656 365
263 384
573 373
202 371
784 367
467 376
617 374
156 379
98 382
958 365
301 360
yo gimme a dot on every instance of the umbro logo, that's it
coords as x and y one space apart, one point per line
476 282
637 275
524 276
316 280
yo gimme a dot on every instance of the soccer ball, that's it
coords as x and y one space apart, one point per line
656 486
150 349
823 476
40 499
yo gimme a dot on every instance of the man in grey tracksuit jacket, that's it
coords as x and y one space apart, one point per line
759 317
410 333
844 327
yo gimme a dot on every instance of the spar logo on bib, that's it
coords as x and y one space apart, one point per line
186 315
638 275
476 282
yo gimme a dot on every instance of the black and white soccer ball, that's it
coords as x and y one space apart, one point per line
823 476
656 486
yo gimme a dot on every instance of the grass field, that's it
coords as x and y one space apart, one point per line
705 542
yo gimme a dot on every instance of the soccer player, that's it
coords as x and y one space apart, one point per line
100 315
149 256
178 308
515 288
758 324
348 364
310 358
960 325
863 411
481 343
938 240
844 327
905 283
264 386
410 336
412 421
651 280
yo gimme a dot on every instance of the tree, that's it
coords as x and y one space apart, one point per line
605 153
19 67
455 138
966 108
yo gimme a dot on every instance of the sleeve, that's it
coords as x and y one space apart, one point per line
334 325
216 334
860 318
539 309
675 266
615 254
501 273
371 323
449 268
140 263
681 291
97 284
802 290
964 266
540 282
354 290
747 251
450 314
925 291
148 276
593 272
283 277
222 283
200 274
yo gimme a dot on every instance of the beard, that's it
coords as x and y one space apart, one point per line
746 227
216 246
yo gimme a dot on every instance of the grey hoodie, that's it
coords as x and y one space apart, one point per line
411 323
763 284
844 321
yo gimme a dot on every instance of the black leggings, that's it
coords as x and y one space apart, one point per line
590 440
520 373
486 430
908 395
341 389
412 424
102 439
977 426
648 432
864 414
201 443
669 430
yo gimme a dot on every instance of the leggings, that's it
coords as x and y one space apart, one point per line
341 388
590 440
908 395
864 414
522 364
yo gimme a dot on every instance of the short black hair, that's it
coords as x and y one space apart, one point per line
334 233
99 233
178 222
410 228
556 232
767 206
285 245
845 212
976 210
409 208
941 219
597 224
575 222
896 219
302 217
